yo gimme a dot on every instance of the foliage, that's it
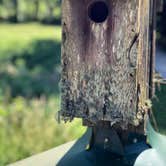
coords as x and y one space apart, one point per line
47 11
29 92
30 59
29 127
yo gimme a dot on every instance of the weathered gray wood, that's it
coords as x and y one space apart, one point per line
105 66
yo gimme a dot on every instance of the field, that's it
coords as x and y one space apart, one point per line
30 59
29 92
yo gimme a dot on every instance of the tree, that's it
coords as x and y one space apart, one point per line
15 8
11 7
51 5
36 5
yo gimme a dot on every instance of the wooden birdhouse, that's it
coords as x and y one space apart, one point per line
107 60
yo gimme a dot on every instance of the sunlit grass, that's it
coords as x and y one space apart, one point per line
29 52
29 126
29 32
16 37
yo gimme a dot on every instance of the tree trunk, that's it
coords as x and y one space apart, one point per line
50 7
106 61
15 6
36 4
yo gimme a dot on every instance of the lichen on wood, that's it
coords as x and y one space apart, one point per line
105 65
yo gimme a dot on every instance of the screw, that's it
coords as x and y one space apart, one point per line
106 140
135 140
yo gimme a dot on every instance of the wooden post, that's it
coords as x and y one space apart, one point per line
106 61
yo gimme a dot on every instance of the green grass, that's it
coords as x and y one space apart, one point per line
16 37
28 32
29 127
29 58
29 97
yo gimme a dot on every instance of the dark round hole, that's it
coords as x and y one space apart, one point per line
98 11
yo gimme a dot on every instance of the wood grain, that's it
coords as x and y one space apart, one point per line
105 66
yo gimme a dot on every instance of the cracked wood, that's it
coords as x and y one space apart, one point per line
104 64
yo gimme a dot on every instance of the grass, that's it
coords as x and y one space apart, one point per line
29 127
29 31
16 37
30 59
29 92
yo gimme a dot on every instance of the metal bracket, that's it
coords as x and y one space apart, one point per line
123 148
107 139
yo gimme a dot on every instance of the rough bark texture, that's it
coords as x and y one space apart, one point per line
105 66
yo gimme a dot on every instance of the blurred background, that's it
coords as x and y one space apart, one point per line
30 39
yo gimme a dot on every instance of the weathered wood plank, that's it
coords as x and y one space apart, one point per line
105 66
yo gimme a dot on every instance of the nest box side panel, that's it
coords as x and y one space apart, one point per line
100 56
144 65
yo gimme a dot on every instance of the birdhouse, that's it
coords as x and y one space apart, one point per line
107 60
